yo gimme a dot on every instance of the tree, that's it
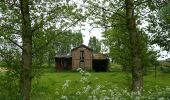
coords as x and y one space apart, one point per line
67 41
32 26
26 78
95 44
161 32
77 39
117 39
137 73
134 13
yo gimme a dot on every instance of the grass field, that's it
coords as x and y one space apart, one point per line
89 86
56 85
117 78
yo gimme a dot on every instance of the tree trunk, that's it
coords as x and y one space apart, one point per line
25 81
137 73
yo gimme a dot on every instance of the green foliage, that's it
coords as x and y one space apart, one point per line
111 16
115 67
163 36
165 69
68 40
50 24
118 42
10 57
9 87
95 44
117 39
38 27
164 16
9 78
159 25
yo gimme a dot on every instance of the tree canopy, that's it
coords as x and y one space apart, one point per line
95 44
162 27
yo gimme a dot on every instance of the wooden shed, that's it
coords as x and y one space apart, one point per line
82 57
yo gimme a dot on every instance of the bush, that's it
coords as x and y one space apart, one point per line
9 87
115 67
165 69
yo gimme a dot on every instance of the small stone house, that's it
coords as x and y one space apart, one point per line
82 57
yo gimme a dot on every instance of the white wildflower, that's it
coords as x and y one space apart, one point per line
138 93
94 97
90 97
162 98
56 92
103 91
105 98
79 69
94 92
137 98
66 84
64 98
82 72
83 79
87 74
86 89
167 88
98 87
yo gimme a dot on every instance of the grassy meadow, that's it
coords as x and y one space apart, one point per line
120 79
75 85
84 85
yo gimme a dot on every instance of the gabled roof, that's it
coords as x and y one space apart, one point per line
82 45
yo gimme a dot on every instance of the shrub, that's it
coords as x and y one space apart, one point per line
115 67
165 69
9 87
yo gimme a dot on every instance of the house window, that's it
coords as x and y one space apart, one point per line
81 56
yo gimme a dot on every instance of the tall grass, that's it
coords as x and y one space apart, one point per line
83 85
97 86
